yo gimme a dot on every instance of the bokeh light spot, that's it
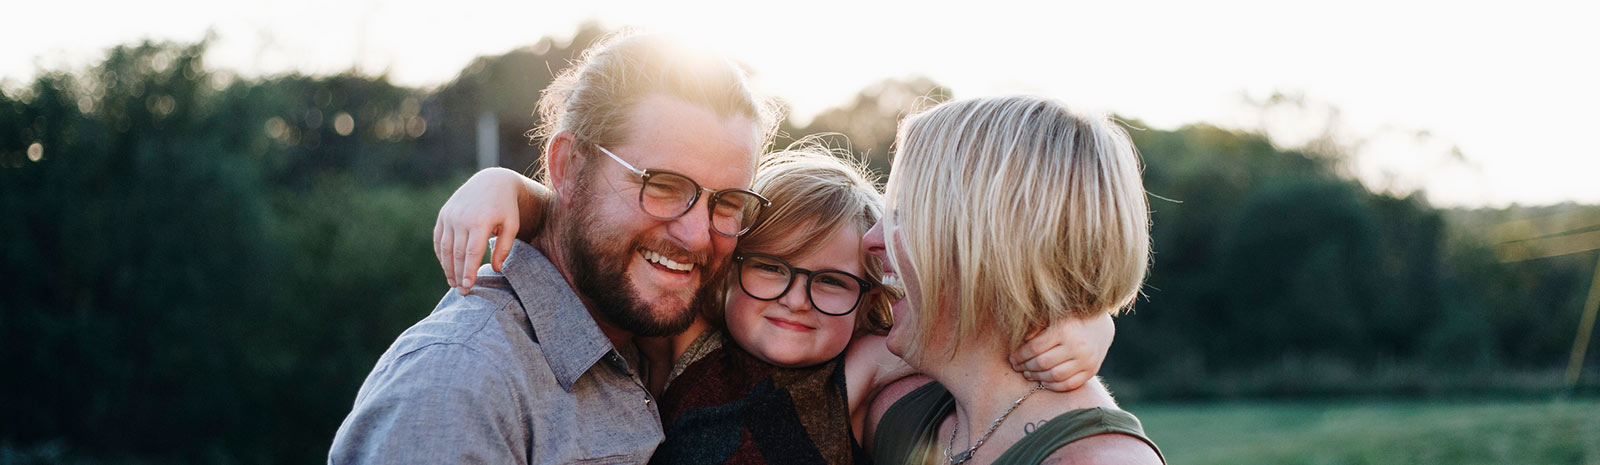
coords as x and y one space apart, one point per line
275 128
343 124
416 127
221 80
35 152
160 106
384 129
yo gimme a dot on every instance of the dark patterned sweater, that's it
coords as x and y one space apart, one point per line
723 405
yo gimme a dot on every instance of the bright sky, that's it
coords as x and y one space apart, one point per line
1513 86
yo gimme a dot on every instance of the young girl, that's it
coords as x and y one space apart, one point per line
799 292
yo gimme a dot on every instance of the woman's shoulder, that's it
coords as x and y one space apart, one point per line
1090 435
1107 448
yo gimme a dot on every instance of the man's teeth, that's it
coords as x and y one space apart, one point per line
656 258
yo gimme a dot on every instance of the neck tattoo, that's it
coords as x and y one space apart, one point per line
963 457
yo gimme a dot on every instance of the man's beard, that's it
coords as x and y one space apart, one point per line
599 267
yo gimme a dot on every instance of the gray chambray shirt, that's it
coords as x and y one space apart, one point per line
515 372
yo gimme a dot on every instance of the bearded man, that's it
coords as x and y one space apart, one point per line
650 147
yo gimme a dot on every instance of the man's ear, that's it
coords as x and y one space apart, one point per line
565 165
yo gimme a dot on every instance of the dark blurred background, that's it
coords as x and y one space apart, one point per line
202 268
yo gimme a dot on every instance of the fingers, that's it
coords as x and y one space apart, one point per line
502 247
1056 369
457 256
486 205
1050 358
1032 347
1063 377
460 248
447 256
477 240
438 253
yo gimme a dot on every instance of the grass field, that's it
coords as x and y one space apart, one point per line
1377 432
1322 433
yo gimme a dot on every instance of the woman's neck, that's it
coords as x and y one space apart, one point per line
985 388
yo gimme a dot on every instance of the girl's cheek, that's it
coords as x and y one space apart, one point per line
839 337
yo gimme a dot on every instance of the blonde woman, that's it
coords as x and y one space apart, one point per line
1008 215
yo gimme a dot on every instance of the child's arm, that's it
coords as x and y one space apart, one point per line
868 368
494 202
1066 355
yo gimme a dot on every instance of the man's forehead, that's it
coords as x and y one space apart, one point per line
671 134
712 168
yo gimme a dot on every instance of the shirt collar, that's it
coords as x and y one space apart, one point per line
567 334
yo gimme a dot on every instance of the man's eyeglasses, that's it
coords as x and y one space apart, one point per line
832 292
666 195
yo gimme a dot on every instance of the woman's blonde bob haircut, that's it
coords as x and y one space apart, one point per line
814 193
1015 212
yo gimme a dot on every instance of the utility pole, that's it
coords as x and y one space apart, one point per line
1543 239
1585 329
488 140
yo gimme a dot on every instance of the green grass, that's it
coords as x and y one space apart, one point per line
1377 432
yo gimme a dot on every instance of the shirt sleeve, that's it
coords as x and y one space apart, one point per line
442 403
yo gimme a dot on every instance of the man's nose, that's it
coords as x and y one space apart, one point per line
693 228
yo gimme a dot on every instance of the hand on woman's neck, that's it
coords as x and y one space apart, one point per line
983 384
984 387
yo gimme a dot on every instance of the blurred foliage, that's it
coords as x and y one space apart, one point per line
203 268
1276 275
867 124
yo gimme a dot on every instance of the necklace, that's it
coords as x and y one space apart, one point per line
963 457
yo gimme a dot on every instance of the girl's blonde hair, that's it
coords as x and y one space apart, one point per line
814 193
1015 212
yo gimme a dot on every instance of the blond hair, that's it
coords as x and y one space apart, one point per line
815 192
592 98
1014 213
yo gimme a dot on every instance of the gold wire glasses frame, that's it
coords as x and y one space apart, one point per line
667 195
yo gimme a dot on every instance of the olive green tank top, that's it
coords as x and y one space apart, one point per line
906 434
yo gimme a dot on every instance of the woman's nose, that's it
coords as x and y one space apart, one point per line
872 242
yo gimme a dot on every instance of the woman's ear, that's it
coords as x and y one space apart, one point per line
564 164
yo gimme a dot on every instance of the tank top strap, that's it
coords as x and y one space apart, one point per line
1072 426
